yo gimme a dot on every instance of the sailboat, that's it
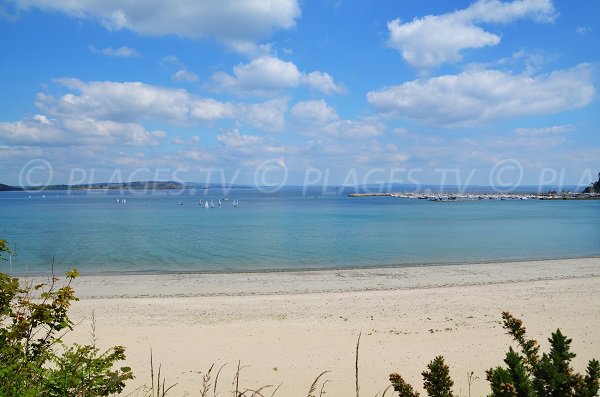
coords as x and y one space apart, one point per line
206 204
212 204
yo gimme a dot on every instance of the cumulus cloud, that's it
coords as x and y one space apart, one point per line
321 81
249 48
266 116
360 129
479 95
248 150
316 112
30 131
132 101
435 39
317 118
185 76
199 155
235 139
225 21
121 52
192 141
42 119
41 131
267 74
135 102
262 74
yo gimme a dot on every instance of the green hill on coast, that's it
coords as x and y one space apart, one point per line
7 188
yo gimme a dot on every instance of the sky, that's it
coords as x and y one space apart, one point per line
299 92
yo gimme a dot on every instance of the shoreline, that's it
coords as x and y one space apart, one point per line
291 282
161 272
289 327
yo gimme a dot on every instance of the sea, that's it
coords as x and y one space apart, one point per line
291 229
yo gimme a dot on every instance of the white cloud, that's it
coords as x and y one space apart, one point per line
185 75
317 118
226 21
171 60
132 101
266 116
530 61
42 119
20 153
477 96
316 112
544 131
199 155
29 132
249 48
246 149
267 74
40 131
194 139
238 141
106 112
583 30
321 81
262 74
435 39
121 52
360 129
428 42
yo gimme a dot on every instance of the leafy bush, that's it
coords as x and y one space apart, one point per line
526 373
437 381
33 359
550 375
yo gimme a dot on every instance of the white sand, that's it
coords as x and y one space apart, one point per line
289 327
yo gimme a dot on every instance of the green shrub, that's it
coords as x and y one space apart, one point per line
436 381
526 373
551 375
33 359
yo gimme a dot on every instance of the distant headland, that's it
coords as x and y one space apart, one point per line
7 188
445 192
137 185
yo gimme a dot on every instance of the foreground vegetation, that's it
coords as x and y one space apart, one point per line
34 361
526 374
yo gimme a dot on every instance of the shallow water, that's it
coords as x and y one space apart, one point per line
282 231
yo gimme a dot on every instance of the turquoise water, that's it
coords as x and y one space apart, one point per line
284 230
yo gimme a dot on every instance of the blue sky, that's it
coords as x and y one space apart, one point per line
324 91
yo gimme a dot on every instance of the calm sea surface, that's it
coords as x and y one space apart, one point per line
283 230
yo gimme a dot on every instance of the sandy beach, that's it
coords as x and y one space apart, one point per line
288 327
